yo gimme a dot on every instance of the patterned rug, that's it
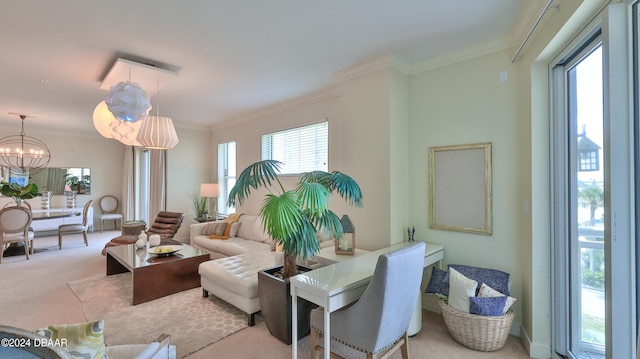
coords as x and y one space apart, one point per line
192 321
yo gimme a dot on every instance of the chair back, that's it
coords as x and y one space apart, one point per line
108 204
166 224
383 313
85 212
15 220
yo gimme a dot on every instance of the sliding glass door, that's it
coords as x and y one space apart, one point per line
593 251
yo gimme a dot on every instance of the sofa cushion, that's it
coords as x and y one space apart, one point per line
230 247
246 226
238 274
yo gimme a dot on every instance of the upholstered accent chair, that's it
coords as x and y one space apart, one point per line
377 323
166 225
109 206
14 228
76 227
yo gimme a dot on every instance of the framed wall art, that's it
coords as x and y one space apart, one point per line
460 188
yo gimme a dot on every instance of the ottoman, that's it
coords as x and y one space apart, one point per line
235 280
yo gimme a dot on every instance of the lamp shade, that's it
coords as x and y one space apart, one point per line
157 132
126 132
209 190
102 119
128 101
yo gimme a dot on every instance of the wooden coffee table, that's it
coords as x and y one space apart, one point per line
155 277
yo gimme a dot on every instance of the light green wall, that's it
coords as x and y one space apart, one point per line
466 103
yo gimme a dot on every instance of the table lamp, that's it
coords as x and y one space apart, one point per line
210 191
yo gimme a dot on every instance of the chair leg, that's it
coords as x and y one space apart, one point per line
84 234
60 240
313 343
26 248
31 247
101 225
404 349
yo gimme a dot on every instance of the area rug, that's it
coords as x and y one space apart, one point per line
192 321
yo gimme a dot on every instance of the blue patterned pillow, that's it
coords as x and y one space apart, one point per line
494 278
491 306
437 284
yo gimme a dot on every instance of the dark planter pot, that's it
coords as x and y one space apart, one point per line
275 304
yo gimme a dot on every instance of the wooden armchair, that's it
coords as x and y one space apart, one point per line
166 225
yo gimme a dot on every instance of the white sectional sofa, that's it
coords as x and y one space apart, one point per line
246 235
232 274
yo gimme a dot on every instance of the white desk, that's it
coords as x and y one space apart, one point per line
337 285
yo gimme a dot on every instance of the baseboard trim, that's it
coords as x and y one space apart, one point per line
535 350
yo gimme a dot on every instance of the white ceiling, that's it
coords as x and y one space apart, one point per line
233 57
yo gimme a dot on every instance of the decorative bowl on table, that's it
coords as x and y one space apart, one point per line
164 251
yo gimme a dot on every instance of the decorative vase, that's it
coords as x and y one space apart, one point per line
71 199
46 200
154 240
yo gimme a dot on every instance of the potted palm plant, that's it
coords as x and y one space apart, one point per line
292 218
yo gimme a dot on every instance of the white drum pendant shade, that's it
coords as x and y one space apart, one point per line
157 132
102 119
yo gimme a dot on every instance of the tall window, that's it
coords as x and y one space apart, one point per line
226 175
301 149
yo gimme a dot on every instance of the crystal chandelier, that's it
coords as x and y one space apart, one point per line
25 153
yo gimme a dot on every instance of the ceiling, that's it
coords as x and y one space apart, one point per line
232 58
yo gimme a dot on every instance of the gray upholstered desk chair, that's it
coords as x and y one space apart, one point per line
14 228
76 227
377 323
109 207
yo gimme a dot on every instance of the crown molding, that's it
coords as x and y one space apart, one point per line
283 107
466 53
371 66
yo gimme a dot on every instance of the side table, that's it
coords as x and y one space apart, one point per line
133 228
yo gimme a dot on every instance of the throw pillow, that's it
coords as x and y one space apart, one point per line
461 289
437 285
84 340
216 228
498 280
234 229
491 306
488 292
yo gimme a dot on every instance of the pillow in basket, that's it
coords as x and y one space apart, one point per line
437 284
497 279
461 289
490 306
488 292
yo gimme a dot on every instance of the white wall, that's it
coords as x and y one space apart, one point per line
102 156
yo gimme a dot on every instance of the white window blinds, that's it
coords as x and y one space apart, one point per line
300 149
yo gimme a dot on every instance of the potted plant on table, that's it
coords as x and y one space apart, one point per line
292 218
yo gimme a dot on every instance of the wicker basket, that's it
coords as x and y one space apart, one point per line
478 332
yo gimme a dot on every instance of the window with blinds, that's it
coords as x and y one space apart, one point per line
300 149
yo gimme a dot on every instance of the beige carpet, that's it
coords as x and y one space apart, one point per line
433 341
192 321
